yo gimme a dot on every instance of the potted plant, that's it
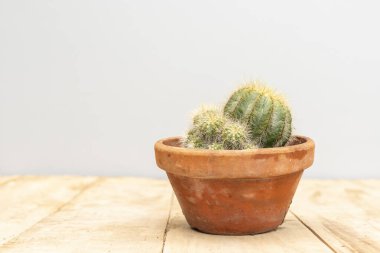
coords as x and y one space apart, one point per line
238 168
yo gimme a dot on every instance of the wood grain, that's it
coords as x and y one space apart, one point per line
345 214
116 215
292 236
27 200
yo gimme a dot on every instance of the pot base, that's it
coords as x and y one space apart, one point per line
235 206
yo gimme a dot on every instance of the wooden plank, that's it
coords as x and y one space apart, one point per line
117 215
27 200
292 236
345 214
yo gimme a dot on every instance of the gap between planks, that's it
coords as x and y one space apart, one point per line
167 221
67 203
315 233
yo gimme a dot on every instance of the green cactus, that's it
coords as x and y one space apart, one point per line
212 130
265 113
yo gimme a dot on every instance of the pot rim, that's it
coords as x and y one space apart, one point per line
163 144
250 163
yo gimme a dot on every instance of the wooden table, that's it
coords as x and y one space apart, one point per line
98 214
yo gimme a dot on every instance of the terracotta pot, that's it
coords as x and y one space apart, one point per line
234 192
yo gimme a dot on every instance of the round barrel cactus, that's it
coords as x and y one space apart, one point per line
265 113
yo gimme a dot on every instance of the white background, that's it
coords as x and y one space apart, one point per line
87 87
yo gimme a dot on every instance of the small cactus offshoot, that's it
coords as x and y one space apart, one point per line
265 113
213 130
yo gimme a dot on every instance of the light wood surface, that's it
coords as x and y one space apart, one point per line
91 214
346 214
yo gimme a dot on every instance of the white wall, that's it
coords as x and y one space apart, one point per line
87 87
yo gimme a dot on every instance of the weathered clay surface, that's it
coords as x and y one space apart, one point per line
234 191
235 206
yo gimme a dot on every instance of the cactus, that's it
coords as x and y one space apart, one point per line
265 113
212 130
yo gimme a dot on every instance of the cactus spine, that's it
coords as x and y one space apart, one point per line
266 114
212 130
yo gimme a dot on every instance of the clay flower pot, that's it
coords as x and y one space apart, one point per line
234 192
